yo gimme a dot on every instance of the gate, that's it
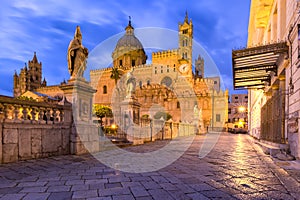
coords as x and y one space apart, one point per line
272 119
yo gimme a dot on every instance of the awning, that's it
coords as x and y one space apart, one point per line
252 67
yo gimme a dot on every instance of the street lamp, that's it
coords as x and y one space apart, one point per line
242 109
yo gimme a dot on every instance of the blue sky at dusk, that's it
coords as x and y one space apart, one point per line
46 27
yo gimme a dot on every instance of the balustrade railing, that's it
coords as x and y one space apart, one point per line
12 109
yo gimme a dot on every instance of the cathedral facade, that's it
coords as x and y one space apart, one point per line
168 82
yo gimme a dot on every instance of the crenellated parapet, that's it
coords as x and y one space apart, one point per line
165 54
100 70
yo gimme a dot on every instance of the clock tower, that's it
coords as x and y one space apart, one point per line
185 32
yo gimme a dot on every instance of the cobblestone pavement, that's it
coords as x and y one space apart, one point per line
235 169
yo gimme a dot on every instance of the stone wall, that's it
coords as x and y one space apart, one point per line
30 129
22 141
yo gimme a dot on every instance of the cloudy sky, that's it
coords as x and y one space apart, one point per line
46 27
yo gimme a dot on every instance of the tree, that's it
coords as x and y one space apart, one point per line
166 116
102 111
115 74
145 116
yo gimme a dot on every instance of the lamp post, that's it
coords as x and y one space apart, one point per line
151 126
171 127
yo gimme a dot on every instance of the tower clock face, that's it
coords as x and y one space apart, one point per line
183 68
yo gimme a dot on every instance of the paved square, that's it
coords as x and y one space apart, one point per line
235 169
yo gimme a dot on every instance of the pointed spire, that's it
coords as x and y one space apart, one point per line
25 67
16 75
186 19
44 83
34 59
78 34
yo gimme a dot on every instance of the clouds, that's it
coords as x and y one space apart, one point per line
48 26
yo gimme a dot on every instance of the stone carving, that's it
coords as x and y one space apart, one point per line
130 84
77 55
196 112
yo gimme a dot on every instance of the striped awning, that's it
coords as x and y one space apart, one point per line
252 67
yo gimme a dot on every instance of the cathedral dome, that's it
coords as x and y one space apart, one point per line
129 47
129 42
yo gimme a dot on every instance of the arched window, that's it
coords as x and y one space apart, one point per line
178 104
185 55
104 89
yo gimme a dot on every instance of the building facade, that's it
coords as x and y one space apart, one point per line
268 68
169 81
238 111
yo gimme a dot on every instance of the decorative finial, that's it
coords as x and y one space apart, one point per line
186 19
34 59
129 28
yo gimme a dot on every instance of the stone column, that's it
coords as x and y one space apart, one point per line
130 109
84 135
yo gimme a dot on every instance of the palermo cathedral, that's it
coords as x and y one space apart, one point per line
170 82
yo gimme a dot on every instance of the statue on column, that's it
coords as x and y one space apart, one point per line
130 84
77 55
196 112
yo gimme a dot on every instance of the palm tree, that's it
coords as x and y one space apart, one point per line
115 74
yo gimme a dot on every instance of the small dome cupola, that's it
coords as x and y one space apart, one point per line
129 51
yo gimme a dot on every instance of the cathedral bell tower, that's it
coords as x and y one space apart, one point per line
185 46
34 73
30 78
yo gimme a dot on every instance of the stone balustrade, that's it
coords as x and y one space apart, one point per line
30 129
16 110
